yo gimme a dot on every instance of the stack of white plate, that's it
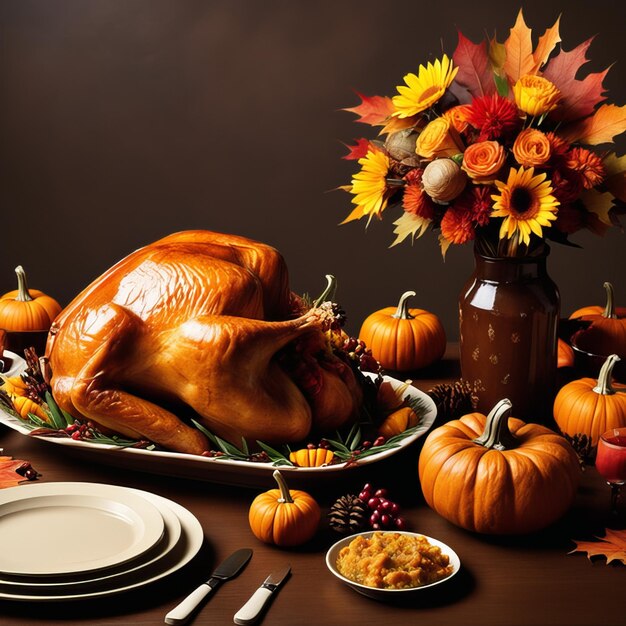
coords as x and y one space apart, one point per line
68 541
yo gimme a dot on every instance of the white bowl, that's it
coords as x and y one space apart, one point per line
389 594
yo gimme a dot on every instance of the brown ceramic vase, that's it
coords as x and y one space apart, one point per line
509 313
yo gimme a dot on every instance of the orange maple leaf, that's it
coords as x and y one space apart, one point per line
602 127
612 546
475 72
8 476
546 44
519 51
373 110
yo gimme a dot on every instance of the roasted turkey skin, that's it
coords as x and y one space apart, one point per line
195 324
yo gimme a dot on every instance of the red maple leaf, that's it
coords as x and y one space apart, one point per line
357 151
373 110
475 72
579 98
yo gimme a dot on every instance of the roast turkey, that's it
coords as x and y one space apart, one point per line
204 325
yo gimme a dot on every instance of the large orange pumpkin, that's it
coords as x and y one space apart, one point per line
498 474
607 332
404 339
26 310
590 407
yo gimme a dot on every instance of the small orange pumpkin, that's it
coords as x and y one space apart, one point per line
607 332
311 457
498 475
565 354
404 339
590 407
284 517
26 310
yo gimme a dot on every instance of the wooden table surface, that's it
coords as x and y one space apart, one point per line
504 581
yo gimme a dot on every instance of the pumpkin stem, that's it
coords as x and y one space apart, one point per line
23 294
402 312
604 386
285 495
609 309
497 435
329 292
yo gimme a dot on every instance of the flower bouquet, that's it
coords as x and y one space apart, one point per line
497 145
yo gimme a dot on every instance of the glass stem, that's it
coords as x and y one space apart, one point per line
615 491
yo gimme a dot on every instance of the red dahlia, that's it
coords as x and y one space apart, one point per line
494 117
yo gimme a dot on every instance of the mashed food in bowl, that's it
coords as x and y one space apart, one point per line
388 560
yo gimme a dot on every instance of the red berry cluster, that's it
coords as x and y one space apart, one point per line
78 430
385 513
358 351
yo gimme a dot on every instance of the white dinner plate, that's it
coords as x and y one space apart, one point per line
109 577
189 544
65 532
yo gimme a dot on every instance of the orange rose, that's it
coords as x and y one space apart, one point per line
458 117
483 160
438 139
531 148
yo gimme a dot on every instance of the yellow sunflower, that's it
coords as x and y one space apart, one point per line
423 90
369 186
525 202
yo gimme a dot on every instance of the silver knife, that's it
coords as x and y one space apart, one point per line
227 569
251 610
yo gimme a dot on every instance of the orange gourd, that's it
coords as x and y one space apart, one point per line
565 354
311 457
497 474
607 332
404 339
26 309
284 517
398 421
589 406
24 405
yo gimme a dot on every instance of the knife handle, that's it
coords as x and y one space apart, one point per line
249 612
180 614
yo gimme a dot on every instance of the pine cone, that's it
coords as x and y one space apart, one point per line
348 515
454 400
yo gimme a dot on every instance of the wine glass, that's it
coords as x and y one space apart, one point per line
611 462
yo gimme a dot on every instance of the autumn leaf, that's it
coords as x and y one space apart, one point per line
615 180
357 151
409 225
546 44
602 127
579 98
8 476
394 124
475 71
373 110
519 51
598 203
612 546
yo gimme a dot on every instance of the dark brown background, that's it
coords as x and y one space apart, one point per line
124 120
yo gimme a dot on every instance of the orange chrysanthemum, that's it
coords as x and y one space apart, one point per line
457 226
415 200
559 147
588 165
526 203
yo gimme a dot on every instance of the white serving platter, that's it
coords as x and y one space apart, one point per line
226 471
